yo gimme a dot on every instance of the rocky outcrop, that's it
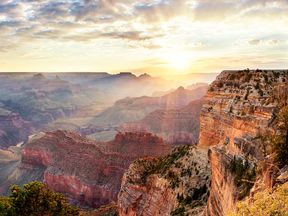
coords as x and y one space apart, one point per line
171 185
157 198
239 104
88 172
239 108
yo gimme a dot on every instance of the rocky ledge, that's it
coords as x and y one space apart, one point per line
171 185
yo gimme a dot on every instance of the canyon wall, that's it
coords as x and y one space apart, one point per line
239 110
176 184
88 172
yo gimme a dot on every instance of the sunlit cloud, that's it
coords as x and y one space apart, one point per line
130 32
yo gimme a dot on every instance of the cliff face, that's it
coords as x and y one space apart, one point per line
87 171
171 185
222 189
238 110
241 104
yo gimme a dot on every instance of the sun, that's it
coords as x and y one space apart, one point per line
177 61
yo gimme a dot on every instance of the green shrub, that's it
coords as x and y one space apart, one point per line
220 84
257 86
180 211
248 77
260 92
35 199
161 165
266 203
245 175
266 78
280 139
232 76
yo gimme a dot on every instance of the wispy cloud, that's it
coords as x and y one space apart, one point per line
203 27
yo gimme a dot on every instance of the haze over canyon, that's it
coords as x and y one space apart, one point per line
193 150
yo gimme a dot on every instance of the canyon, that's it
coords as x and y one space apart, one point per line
93 104
86 171
238 112
177 153
73 161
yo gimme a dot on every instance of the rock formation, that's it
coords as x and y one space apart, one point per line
172 185
238 110
88 172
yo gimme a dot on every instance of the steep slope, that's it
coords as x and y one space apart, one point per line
88 172
239 110
171 185
239 114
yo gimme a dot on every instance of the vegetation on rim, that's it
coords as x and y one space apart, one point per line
35 199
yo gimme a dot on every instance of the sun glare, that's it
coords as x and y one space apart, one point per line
177 61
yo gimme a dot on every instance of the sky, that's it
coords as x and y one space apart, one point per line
160 37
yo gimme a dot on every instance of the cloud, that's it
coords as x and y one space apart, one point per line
207 10
7 8
160 10
273 42
266 41
138 23
254 42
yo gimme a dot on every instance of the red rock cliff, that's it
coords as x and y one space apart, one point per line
175 184
87 171
238 108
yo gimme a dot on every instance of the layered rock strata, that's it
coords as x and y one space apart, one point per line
175 184
239 110
87 171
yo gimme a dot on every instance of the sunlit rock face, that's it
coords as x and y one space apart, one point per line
88 172
174 184
238 109
222 189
